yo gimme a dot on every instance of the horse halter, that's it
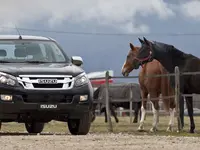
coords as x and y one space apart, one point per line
142 60
148 58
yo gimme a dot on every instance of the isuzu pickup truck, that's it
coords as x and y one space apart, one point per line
39 83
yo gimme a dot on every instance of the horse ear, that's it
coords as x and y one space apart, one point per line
141 41
146 41
131 46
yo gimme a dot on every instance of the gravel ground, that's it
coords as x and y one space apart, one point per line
97 142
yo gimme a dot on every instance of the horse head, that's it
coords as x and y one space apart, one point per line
131 61
145 53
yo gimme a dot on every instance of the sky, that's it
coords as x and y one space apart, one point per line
132 18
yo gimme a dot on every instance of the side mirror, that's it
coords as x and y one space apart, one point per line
77 60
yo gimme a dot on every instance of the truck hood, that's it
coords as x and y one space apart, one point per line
16 69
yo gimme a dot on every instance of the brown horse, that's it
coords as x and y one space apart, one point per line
152 86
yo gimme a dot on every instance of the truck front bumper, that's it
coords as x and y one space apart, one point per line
45 105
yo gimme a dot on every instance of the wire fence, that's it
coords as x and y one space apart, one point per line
98 33
176 95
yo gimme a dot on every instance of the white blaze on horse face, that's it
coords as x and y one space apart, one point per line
155 116
123 69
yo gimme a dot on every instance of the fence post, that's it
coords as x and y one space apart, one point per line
131 105
110 128
177 96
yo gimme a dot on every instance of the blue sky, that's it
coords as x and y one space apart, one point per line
107 16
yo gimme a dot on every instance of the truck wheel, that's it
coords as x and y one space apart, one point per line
34 127
80 126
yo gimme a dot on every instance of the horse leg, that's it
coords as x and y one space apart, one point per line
143 110
181 108
143 114
105 114
135 112
155 116
172 107
189 103
171 120
93 114
155 108
113 113
137 107
169 105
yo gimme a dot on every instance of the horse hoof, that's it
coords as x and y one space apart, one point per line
140 129
117 121
153 130
135 121
178 131
169 129
191 131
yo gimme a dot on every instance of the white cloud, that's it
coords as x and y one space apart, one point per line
117 13
191 9
133 28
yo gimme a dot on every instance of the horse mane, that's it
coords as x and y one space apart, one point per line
176 52
171 49
180 54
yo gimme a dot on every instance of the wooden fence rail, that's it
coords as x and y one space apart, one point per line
177 95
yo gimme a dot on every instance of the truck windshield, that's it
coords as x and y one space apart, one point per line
20 51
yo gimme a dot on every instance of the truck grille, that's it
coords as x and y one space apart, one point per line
46 82
48 98
36 85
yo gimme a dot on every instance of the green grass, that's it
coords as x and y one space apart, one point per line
99 126
125 126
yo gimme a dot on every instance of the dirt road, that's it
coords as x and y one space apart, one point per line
97 142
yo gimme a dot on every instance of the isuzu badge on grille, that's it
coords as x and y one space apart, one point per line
47 81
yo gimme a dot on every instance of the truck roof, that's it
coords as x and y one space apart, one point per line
25 37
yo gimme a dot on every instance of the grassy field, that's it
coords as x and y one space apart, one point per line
99 126
124 126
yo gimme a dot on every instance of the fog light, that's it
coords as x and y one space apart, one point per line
3 79
6 97
83 97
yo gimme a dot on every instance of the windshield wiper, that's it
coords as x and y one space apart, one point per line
36 61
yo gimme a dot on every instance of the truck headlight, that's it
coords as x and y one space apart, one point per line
6 97
81 80
7 79
83 98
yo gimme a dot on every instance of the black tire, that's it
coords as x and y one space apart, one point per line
80 126
34 127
